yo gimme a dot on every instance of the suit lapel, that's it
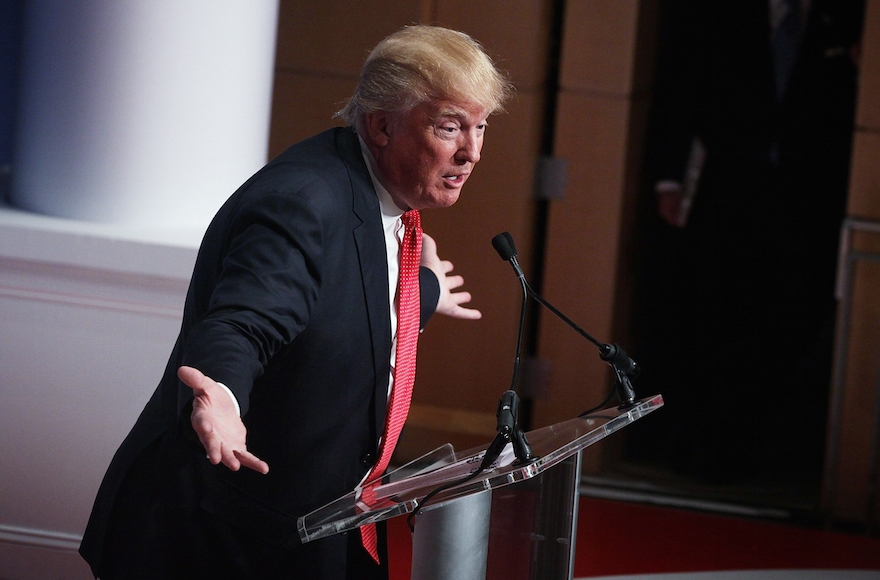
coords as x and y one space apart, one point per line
370 242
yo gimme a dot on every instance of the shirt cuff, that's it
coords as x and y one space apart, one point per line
232 396
668 186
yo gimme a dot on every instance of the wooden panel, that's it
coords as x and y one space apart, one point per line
582 255
607 66
303 104
864 194
455 420
335 36
320 50
599 130
645 52
868 112
861 379
514 32
860 386
599 45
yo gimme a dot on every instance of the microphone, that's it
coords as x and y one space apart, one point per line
624 367
503 244
506 415
508 427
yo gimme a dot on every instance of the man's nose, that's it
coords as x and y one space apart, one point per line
469 150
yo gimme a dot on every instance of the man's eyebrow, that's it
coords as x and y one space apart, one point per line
444 113
455 114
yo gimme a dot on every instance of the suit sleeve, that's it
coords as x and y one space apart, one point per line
429 288
268 284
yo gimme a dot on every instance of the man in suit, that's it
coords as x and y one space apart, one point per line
285 357
743 310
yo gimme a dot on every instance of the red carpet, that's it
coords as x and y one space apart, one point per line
624 538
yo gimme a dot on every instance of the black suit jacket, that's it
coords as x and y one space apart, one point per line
288 306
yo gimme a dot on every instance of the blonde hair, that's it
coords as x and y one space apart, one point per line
419 64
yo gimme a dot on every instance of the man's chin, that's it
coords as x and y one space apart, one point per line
447 199
435 199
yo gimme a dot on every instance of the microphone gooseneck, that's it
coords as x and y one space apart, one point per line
625 369
508 427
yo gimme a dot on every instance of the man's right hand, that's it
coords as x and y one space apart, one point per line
451 299
672 206
216 422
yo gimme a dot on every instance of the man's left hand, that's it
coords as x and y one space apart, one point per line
216 422
450 302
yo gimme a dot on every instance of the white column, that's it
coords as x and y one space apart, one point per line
142 112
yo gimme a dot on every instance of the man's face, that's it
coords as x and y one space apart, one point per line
426 155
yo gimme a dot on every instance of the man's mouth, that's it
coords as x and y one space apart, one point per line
457 178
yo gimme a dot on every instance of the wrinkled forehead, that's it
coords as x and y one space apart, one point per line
463 110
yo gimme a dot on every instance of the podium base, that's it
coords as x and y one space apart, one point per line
451 539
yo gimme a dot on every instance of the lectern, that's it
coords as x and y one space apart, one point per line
512 521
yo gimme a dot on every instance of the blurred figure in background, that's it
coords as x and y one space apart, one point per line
748 162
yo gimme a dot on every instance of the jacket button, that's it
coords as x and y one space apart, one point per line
367 460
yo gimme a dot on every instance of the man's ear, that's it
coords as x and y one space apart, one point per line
377 125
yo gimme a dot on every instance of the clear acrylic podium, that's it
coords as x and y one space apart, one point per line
513 521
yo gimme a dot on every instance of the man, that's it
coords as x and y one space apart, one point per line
765 89
285 363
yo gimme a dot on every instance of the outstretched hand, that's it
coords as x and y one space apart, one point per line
450 302
216 422
672 206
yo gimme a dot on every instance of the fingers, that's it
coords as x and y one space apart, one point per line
450 301
453 307
217 424
429 251
193 378
466 313
230 460
251 461
211 443
453 282
234 459
460 298
218 453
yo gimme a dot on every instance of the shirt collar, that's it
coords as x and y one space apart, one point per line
386 203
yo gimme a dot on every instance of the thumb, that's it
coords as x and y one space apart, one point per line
429 249
193 378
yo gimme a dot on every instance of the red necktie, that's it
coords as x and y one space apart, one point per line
408 315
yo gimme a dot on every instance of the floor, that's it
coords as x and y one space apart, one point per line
756 575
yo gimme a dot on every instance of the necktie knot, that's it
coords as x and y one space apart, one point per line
411 219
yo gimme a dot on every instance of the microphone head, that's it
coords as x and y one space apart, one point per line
503 244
